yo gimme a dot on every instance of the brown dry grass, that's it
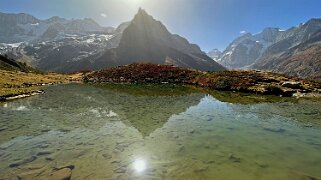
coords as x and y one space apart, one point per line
15 82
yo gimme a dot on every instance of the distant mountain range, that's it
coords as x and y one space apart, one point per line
61 45
295 51
26 28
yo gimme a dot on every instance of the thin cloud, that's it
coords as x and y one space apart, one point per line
242 32
103 15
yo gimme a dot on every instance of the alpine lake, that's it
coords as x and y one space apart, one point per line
159 132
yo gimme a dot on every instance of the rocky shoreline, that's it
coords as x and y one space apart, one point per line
20 96
10 97
250 81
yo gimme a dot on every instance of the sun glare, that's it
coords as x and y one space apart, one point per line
139 165
136 2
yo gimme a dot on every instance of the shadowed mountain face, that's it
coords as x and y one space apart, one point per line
148 40
12 65
61 45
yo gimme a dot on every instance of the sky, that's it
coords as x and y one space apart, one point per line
208 23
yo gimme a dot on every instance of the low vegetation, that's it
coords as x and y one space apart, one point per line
258 82
14 83
19 80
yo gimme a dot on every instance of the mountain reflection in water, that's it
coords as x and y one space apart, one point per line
157 132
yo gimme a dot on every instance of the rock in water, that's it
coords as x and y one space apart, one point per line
233 158
22 162
61 174
273 129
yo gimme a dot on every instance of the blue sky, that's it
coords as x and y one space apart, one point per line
208 23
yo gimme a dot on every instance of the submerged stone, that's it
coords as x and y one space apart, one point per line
233 158
262 164
22 162
44 153
61 174
120 170
201 169
107 156
274 129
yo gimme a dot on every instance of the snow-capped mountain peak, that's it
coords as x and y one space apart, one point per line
214 54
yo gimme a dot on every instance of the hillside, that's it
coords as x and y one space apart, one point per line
17 80
12 65
242 81
303 60
295 51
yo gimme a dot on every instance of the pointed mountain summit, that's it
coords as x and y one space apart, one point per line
148 40
214 54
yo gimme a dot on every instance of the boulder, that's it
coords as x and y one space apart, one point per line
292 85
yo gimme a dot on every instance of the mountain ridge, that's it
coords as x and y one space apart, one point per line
270 48
24 27
148 40
144 39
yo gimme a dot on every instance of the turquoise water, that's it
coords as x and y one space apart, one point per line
121 132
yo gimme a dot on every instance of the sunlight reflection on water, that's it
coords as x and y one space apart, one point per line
186 136
139 165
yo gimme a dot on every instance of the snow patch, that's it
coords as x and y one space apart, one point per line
103 15
229 53
14 45
90 41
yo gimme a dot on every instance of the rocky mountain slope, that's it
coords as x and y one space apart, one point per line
148 40
54 55
293 51
246 49
12 65
26 28
74 45
51 43
303 60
